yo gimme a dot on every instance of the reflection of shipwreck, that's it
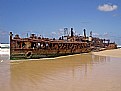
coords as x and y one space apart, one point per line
37 47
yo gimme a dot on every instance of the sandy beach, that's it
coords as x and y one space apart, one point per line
111 53
80 72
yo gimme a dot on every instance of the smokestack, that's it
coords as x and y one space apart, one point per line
84 33
72 33
90 33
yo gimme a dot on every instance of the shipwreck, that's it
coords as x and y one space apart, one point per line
40 47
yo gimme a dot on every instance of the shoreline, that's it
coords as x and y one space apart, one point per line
110 53
22 60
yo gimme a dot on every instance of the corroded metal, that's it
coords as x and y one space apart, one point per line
37 47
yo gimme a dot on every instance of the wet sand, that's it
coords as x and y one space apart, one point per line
111 53
83 72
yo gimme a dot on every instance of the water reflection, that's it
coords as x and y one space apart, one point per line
84 72
72 64
52 74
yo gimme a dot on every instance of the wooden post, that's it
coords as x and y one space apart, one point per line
11 44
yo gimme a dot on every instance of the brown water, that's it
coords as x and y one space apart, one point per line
84 72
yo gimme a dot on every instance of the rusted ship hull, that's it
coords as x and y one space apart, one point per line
40 53
38 47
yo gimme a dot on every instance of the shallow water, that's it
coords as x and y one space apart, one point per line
84 72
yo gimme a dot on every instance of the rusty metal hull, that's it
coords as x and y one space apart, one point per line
40 53
37 47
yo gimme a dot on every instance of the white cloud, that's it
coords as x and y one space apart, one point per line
53 33
95 34
115 15
107 7
105 34
60 32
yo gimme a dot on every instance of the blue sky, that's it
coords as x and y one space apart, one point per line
49 17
